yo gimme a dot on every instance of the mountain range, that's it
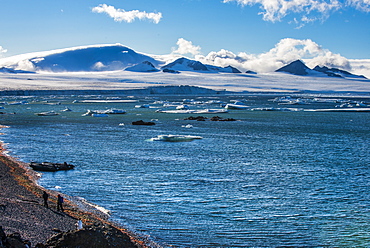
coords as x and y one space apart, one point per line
118 57
297 67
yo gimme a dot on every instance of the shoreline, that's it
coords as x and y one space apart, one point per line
23 211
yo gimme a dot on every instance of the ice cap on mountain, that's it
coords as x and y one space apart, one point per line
86 58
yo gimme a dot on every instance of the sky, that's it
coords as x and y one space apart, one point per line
195 28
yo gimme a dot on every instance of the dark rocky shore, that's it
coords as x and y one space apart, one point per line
26 222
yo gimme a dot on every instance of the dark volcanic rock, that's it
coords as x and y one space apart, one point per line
143 123
214 118
198 118
13 240
218 118
91 237
296 67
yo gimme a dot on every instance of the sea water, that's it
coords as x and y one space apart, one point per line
271 178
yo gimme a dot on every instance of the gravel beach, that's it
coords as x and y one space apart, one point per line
22 209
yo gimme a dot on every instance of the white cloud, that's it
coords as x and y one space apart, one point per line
360 67
120 15
275 10
186 47
363 5
284 52
2 50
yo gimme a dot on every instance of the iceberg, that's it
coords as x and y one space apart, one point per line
48 113
236 105
104 112
175 138
193 111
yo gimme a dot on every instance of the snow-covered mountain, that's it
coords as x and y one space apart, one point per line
296 67
13 71
184 64
334 72
116 57
299 68
145 66
77 59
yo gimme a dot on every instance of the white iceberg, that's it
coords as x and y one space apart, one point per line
193 111
104 112
236 105
48 113
175 138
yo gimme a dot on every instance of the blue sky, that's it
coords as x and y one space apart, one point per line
248 26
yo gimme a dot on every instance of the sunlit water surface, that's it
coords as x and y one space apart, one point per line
270 179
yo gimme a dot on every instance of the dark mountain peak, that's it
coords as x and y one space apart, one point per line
321 68
184 64
251 72
192 64
148 63
232 69
335 72
144 66
296 67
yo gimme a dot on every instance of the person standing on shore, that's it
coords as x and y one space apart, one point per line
46 197
60 203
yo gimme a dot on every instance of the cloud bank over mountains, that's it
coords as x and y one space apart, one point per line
284 52
120 15
117 57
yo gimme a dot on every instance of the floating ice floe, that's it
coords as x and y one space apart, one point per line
104 112
99 115
18 103
143 106
277 109
187 126
108 101
67 109
175 138
192 111
182 107
295 102
48 113
340 110
236 105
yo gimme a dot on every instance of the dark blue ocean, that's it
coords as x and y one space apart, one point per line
272 178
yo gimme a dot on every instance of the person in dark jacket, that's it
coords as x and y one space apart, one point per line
46 197
60 203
